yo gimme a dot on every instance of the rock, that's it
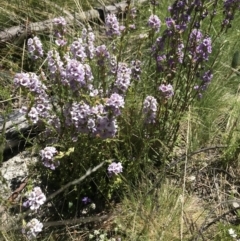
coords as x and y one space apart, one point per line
12 173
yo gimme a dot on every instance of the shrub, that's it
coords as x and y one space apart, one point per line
95 102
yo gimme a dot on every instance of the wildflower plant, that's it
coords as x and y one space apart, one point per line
95 98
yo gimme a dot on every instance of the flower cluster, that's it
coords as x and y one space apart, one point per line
230 6
123 79
30 81
150 109
54 62
180 13
112 25
75 73
115 103
102 55
166 90
115 168
98 120
78 49
47 155
33 228
205 78
200 47
36 198
154 23
88 37
35 49
136 69
59 30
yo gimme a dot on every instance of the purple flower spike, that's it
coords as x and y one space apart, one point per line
154 22
115 168
150 109
35 47
166 90
112 25
123 79
114 103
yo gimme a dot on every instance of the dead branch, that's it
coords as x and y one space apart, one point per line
21 31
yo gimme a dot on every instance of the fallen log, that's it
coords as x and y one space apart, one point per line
16 129
22 31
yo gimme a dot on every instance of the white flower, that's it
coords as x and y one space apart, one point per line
96 232
232 233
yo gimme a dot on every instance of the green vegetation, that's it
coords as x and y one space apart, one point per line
161 117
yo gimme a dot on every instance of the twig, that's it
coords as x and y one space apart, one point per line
15 194
77 221
74 182
12 98
194 153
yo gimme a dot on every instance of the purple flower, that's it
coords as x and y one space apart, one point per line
61 42
112 25
154 22
36 198
55 64
207 76
30 81
88 39
32 228
75 73
106 127
35 47
200 47
166 90
230 6
195 36
47 155
79 114
115 168
180 52
86 200
102 55
114 103
170 23
161 62
60 21
113 65
150 109
204 49
136 69
59 30
123 79
33 115
77 48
